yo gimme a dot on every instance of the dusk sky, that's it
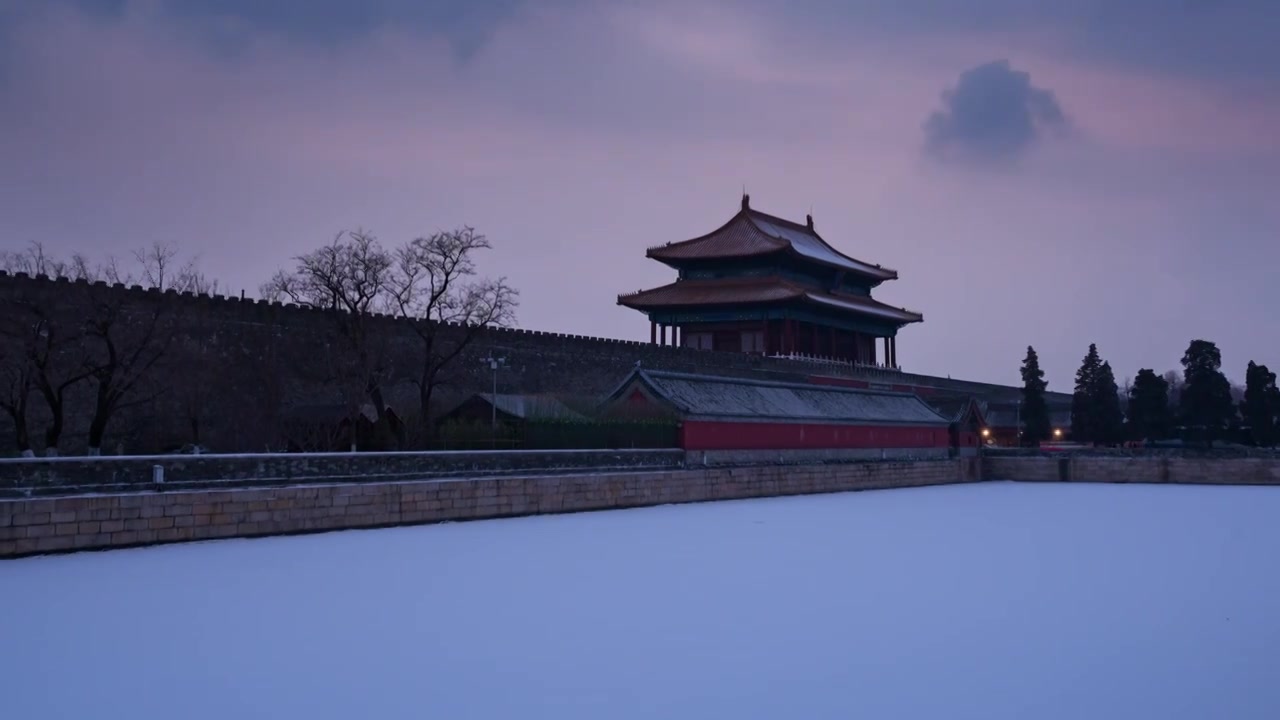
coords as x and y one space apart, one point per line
1043 173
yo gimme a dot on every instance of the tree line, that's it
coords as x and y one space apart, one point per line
101 346
1197 405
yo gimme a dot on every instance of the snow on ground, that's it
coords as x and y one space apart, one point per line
982 601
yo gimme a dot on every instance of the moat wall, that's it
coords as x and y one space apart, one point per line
84 522
1174 468
237 370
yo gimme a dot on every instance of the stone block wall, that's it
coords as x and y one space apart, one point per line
1159 468
40 476
83 522
238 370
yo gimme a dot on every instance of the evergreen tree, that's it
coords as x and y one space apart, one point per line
1261 404
1149 415
1206 407
1108 421
1083 406
1035 411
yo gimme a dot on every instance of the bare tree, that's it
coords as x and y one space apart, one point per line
124 342
1175 380
348 277
16 383
111 340
435 284
42 346
159 267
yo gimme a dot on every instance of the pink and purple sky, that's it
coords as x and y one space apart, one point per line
1052 174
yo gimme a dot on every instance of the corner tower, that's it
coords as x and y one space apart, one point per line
761 284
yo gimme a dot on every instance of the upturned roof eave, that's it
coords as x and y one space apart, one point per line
803 295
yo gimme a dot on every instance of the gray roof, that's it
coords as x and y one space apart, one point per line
706 396
954 408
808 244
531 406
1008 416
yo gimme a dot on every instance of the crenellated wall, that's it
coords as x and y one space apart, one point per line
239 368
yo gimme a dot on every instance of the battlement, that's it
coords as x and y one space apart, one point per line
255 363
235 309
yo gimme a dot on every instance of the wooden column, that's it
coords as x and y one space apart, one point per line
788 337
675 336
893 344
663 333
653 333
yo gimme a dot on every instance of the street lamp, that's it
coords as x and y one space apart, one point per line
494 364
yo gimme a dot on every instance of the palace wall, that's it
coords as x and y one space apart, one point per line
238 369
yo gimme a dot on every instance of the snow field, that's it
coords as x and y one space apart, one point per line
995 600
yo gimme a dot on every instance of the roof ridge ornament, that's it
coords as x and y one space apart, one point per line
746 199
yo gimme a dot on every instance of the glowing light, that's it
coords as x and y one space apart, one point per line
986 432
1057 433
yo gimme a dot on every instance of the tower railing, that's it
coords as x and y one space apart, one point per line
837 362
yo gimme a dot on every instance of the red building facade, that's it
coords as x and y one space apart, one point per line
762 284
724 413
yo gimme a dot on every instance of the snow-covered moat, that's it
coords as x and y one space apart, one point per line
988 601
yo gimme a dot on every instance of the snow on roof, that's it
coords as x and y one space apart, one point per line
751 232
866 305
726 397
807 243
530 406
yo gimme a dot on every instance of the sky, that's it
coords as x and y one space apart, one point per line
1046 174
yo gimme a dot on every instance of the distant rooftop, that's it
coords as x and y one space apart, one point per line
709 396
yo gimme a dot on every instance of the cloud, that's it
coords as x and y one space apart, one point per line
591 130
229 26
994 113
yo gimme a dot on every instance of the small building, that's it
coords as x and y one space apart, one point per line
327 427
510 409
765 285
967 420
1005 423
736 414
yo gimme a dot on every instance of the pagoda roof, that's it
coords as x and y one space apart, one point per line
742 290
752 233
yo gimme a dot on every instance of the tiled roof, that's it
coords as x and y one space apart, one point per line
529 407
751 232
733 291
707 396
954 408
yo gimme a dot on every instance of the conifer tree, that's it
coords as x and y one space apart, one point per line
1035 411
1261 404
1108 421
1149 414
1083 407
1205 406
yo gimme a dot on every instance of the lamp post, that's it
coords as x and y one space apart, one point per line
494 363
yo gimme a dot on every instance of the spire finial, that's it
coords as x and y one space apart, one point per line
746 199
809 218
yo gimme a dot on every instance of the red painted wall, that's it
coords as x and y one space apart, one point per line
708 435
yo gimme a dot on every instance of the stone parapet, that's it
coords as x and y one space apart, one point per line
84 522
